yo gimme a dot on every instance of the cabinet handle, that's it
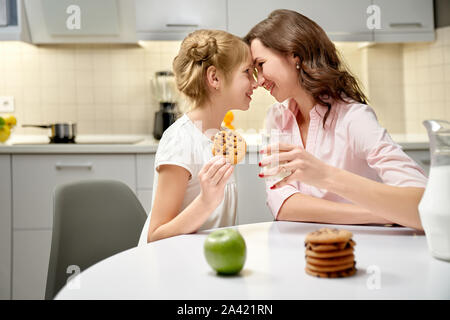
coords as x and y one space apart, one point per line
61 166
181 25
406 25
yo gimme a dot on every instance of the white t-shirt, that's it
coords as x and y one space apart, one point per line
183 144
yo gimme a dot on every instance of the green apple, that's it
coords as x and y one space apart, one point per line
225 251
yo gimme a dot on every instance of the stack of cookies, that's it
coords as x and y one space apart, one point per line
329 253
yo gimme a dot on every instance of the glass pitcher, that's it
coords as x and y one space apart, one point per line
434 208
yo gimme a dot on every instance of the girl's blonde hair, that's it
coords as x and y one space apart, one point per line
200 50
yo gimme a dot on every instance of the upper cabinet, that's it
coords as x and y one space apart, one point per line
405 21
343 20
127 21
175 19
81 21
13 22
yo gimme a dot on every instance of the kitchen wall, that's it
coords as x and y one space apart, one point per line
427 80
105 88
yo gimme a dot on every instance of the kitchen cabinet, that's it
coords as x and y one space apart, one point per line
81 21
251 204
13 22
405 21
34 178
343 20
5 227
175 19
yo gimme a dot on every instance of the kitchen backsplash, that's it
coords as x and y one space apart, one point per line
106 88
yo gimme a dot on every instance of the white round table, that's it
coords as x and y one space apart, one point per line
392 263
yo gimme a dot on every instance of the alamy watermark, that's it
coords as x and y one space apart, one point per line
374 280
74 281
73 21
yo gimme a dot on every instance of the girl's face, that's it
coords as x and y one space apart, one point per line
240 86
277 73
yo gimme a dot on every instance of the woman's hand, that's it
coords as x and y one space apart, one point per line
303 165
213 178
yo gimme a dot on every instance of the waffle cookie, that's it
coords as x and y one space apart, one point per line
231 145
329 253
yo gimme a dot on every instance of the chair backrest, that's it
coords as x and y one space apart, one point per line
92 220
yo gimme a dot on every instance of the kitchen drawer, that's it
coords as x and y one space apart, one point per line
30 263
36 176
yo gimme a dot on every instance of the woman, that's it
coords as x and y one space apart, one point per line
345 167
195 191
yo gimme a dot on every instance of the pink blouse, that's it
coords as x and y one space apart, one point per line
352 140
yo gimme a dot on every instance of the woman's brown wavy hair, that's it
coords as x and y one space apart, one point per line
322 73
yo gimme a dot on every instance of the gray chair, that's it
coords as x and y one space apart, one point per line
92 220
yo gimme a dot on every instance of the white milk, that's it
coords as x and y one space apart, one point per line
434 211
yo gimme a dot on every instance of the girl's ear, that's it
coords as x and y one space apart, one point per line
212 77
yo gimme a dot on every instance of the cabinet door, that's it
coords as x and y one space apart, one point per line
174 19
36 176
405 20
81 21
5 227
343 20
30 265
252 207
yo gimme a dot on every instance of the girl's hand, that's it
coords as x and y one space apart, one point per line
303 165
213 177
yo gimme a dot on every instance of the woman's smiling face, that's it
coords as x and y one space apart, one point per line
277 72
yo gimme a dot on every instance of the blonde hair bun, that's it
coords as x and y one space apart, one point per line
203 51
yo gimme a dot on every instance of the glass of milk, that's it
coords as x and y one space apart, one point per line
272 138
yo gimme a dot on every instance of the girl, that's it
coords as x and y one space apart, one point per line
345 167
192 190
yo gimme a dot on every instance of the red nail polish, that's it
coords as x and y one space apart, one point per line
259 164
261 175
272 187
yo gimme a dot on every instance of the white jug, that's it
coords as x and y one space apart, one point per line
434 208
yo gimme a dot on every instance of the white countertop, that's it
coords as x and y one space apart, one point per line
143 144
392 263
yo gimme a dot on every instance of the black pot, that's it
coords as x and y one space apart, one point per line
60 132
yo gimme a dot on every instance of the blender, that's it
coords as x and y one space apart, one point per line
165 94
